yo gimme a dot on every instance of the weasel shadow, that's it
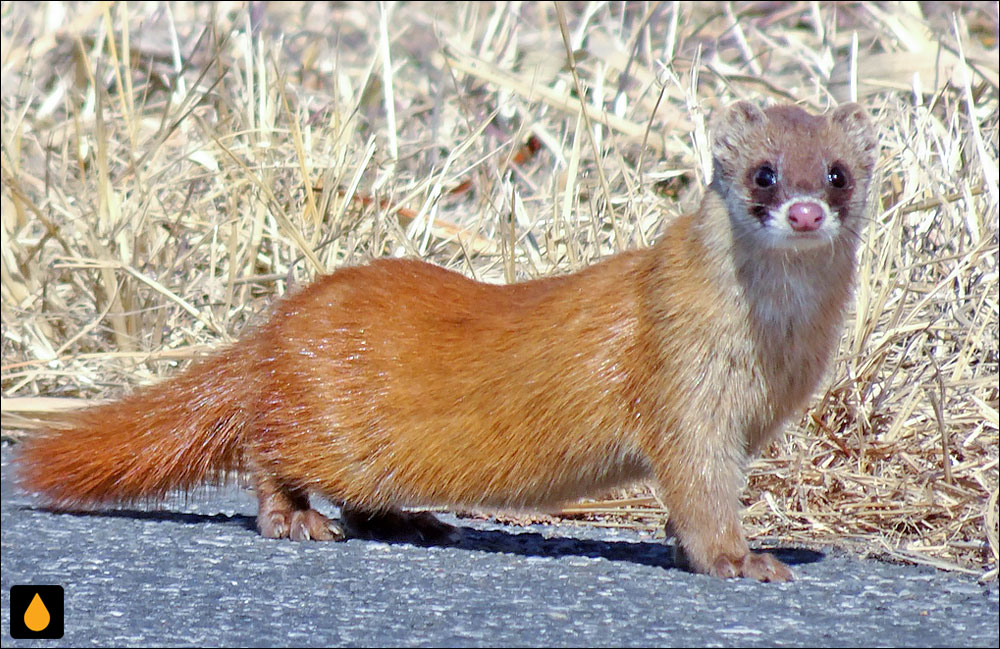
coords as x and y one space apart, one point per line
654 553
159 515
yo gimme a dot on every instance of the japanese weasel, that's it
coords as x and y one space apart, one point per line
401 384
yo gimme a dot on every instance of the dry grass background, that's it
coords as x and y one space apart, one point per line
168 169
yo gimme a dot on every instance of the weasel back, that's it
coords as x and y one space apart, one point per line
428 388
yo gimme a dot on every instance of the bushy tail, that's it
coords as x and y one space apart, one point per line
170 436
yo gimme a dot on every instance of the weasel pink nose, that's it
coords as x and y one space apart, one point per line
805 217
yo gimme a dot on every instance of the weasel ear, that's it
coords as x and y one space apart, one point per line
744 113
855 122
733 128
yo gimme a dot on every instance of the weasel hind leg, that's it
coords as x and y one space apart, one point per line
283 512
396 525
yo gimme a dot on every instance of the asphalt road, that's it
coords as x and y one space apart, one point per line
193 572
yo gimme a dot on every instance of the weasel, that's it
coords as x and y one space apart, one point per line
401 384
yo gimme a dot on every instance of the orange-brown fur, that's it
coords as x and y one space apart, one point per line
399 383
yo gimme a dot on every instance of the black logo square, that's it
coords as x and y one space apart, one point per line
36 612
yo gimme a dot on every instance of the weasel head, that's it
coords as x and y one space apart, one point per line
791 180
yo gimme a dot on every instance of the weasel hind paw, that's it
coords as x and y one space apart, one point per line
395 525
299 525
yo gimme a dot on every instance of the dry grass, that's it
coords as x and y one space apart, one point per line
166 174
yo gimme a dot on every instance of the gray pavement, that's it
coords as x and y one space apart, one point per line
193 572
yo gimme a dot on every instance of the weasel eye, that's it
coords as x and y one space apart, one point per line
837 177
765 176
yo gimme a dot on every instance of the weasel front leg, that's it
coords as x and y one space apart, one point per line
283 512
704 516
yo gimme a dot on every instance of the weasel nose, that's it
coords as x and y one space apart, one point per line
805 216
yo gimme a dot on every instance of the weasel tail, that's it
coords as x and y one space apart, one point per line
173 435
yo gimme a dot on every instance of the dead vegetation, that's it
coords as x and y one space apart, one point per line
168 169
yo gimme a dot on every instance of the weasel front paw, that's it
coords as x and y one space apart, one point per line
762 567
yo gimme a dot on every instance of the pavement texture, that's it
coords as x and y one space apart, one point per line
193 572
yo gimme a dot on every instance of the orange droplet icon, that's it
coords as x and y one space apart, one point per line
36 617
